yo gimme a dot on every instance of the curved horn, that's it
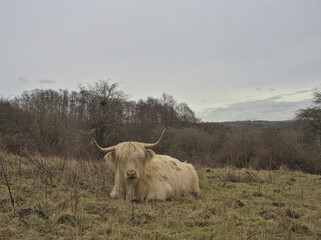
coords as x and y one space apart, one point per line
106 150
152 145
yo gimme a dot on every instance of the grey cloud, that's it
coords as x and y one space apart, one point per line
47 81
22 80
303 91
287 94
266 109
276 97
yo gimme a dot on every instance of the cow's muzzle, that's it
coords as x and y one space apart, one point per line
131 174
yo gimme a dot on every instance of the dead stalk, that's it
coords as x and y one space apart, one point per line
5 177
41 167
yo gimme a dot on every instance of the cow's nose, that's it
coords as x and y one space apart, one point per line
131 174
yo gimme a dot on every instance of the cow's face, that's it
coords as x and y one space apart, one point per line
129 159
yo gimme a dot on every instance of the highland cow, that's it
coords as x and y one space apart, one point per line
140 174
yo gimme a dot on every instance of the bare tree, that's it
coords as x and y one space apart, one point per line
102 107
311 117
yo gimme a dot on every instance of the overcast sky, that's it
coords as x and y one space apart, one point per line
228 60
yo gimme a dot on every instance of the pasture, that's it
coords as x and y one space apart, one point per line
56 198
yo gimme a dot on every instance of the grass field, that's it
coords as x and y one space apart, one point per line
65 199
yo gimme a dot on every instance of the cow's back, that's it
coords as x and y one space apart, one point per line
166 177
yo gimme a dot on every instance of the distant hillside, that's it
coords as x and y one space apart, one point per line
213 126
260 123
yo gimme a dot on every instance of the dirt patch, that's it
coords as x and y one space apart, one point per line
25 212
292 214
269 214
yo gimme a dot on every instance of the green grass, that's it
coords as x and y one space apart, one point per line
57 199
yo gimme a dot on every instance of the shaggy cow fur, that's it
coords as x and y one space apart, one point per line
141 175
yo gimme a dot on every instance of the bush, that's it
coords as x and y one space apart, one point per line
188 144
268 148
239 147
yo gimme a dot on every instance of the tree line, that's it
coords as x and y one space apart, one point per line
62 123
53 122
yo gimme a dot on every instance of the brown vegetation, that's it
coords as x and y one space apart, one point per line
61 123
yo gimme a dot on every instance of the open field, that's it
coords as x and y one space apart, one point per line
64 199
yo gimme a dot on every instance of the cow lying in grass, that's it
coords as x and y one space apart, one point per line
140 174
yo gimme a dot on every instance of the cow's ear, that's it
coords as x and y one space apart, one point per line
111 159
149 155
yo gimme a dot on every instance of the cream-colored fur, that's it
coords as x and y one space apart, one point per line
159 177
166 177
